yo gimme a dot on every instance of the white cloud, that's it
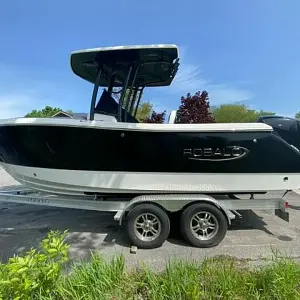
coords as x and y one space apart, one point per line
224 93
14 105
190 79
21 92
19 103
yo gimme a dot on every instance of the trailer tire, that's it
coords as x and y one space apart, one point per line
151 219
191 223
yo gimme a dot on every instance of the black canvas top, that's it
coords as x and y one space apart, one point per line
282 123
159 70
287 128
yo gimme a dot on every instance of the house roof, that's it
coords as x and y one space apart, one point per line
80 115
71 115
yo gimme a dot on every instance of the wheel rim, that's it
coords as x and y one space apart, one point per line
204 225
147 227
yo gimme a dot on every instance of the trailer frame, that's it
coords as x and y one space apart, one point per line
222 207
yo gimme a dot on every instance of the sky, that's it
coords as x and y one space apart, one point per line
236 50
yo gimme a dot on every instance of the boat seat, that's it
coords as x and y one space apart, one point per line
107 105
105 117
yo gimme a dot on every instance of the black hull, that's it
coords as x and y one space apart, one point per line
96 149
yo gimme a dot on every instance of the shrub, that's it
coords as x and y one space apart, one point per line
35 273
156 118
195 109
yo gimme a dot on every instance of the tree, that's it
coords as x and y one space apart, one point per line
156 117
144 111
146 114
48 111
261 113
297 115
117 95
195 109
237 113
69 111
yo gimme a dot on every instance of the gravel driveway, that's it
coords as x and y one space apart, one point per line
23 226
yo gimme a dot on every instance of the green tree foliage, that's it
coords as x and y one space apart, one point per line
236 113
195 109
261 113
144 111
117 95
46 112
69 111
297 115
146 114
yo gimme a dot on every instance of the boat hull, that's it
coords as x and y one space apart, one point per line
70 182
76 157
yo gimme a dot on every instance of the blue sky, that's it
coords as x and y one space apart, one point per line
237 50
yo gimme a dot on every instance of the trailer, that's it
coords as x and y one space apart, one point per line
204 219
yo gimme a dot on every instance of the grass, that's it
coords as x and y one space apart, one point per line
215 278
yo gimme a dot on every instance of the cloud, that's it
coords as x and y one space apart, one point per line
286 114
22 91
159 106
190 78
19 103
14 105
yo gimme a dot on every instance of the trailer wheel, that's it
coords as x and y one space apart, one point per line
203 225
148 226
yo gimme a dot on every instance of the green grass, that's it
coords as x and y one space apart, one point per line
39 275
216 278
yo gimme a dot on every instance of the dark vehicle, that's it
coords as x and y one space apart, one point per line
287 128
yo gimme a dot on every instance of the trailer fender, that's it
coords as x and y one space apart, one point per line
173 203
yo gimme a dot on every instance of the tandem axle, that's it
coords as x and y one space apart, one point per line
204 219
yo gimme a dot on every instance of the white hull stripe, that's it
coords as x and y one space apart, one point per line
78 182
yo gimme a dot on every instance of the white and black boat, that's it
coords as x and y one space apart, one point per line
112 153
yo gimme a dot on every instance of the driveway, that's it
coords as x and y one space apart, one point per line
253 238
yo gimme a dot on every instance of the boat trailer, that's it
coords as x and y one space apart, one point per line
204 219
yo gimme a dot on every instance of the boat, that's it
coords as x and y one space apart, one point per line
286 127
112 153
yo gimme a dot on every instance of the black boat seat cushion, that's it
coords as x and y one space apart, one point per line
108 105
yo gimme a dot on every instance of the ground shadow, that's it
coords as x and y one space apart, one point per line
249 221
24 226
